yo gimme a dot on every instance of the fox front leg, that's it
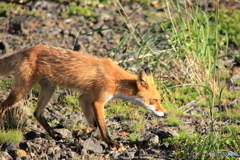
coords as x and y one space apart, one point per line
100 119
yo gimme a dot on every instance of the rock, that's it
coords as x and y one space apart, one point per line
123 134
12 149
32 155
131 154
153 151
174 133
163 134
5 156
36 147
9 146
50 151
149 138
24 145
4 48
127 155
154 139
43 156
64 132
84 152
93 145
141 153
20 153
33 134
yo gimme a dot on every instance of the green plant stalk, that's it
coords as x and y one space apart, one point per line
235 137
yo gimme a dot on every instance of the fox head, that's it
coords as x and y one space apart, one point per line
148 94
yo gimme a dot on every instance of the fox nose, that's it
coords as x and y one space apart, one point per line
165 115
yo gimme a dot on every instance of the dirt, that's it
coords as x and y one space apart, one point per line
43 22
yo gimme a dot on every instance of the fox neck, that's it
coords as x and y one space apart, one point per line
127 87
126 83
127 90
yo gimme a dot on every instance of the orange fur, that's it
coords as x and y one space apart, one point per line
99 80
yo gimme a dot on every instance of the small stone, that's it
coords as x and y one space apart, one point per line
20 153
131 154
164 134
140 153
5 156
174 133
50 150
122 133
33 134
32 155
153 151
8 146
154 139
93 145
84 152
64 132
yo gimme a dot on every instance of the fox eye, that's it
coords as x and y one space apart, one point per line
153 101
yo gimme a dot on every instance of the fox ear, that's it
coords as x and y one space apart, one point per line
143 77
147 71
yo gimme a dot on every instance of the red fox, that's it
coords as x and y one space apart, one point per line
99 80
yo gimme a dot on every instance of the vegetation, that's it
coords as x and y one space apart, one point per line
197 42
11 135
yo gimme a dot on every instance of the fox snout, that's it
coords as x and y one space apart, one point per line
161 114
153 109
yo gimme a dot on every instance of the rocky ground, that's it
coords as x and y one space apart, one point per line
44 22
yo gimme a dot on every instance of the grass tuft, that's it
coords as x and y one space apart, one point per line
11 135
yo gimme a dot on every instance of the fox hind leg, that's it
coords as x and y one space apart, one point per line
85 104
46 93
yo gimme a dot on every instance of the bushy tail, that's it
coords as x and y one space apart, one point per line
8 64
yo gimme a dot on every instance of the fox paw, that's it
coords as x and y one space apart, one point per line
56 135
116 146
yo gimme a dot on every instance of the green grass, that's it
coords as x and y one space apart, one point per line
229 27
197 41
6 83
69 99
134 136
79 10
174 121
137 126
11 135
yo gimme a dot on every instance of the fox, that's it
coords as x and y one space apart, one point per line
99 80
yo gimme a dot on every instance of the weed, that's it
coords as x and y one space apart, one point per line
10 135
75 126
133 136
6 84
173 121
137 126
68 99
79 10
227 21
